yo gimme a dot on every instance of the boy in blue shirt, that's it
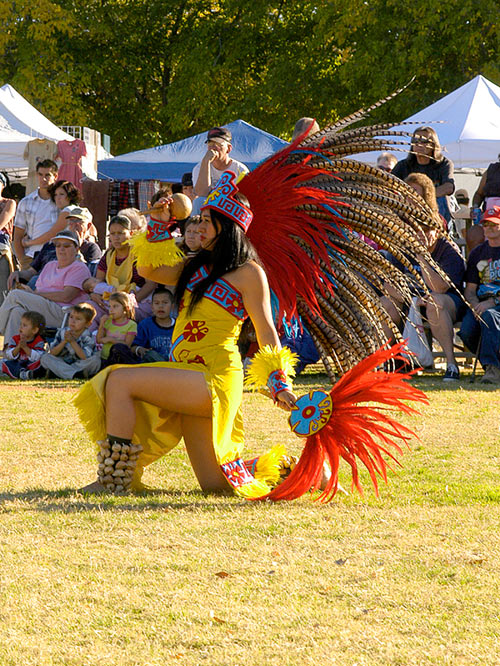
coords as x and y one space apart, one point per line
154 334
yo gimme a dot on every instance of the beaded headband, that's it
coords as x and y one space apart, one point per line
221 199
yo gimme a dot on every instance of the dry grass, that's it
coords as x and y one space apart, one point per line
174 577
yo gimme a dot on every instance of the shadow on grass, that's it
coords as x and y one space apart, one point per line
45 501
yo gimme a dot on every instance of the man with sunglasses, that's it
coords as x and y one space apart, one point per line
483 293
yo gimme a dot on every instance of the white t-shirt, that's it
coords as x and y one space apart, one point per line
36 216
234 166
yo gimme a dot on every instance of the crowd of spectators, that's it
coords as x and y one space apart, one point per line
67 309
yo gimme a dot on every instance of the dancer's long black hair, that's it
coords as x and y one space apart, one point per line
231 250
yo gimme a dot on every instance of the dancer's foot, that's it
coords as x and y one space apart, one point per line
94 488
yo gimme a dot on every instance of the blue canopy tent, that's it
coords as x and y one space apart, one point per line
167 163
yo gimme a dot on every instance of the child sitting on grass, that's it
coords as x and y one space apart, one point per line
24 351
73 351
118 327
154 334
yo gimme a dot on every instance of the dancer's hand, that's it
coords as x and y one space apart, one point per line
286 400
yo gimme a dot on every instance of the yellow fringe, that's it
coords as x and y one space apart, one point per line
91 412
163 253
265 361
268 465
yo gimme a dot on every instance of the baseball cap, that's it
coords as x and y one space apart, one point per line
219 134
81 214
492 214
67 235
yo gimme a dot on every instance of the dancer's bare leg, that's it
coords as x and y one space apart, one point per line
177 390
197 432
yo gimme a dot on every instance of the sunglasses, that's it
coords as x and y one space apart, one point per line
489 223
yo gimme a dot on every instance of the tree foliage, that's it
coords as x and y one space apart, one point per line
149 72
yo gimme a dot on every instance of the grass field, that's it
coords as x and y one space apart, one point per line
175 577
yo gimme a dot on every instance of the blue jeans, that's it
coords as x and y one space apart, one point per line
489 330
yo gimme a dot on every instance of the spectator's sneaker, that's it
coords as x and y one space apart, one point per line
452 374
491 375
26 374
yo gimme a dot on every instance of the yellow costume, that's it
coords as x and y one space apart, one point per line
203 341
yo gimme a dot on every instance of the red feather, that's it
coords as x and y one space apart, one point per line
275 191
356 431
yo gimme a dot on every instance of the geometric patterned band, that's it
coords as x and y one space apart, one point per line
221 199
158 231
277 382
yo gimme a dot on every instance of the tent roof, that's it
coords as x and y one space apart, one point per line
250 145
467 122
22 117
20 122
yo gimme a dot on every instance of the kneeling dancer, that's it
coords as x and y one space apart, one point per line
198 395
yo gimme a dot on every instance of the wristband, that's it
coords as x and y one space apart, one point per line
277 382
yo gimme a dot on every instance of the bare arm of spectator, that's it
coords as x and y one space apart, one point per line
15 276
478 197
444 189
446 177
18 243
64 296
478 306
7 213
61 224
203 182
431 278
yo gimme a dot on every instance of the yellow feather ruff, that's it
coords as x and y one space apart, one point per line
265 361
91 412
268 465
162 253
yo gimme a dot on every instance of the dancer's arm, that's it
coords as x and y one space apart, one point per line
257 301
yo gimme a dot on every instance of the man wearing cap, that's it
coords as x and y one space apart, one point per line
482 290
58 285
215 161
36 213
78 221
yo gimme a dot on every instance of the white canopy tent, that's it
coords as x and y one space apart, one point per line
470 129
20 122
467 121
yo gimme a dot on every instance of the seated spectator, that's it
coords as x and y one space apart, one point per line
118 268
444 306
187 185
59 284
137 221
425 157
7 213
66 198
154 334
73 351
36 213
24 350
80 222
482 290
387 161
486 196
191 244
118 327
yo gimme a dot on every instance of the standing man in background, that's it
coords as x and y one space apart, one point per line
36 213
